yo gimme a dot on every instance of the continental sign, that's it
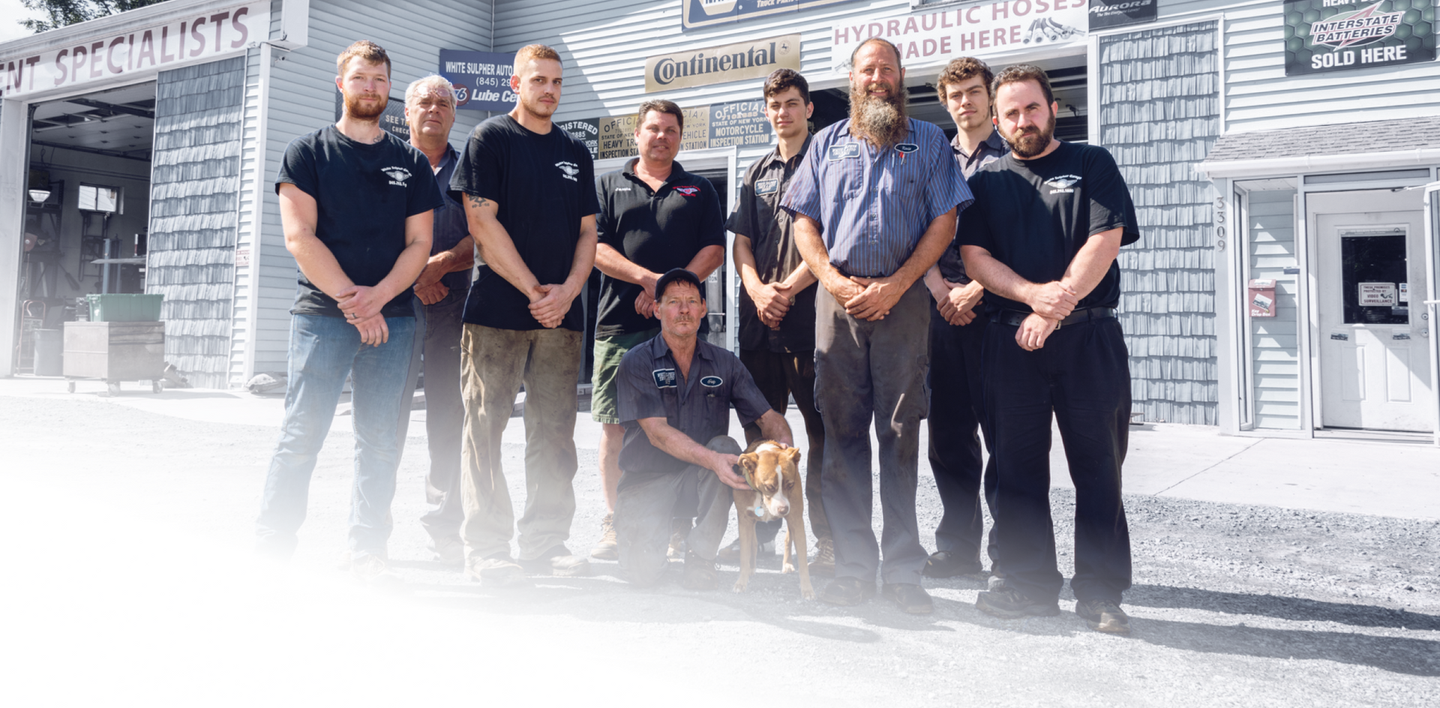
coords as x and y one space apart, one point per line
717 65
166 45
1334 35
707 13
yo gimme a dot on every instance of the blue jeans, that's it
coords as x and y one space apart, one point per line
322 351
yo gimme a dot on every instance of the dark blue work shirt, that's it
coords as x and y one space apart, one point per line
450 224
874 204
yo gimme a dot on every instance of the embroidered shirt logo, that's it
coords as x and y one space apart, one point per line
664 378
570 170
711 381
837 153
1062 184
397 175
906 148
689 191
767 186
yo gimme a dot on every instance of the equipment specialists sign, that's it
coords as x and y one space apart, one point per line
977 30
187 39
1334 35
717 65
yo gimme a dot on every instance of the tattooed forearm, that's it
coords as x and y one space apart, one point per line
476 201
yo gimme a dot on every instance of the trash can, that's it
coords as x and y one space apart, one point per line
49 352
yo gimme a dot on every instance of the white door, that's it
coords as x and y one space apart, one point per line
1374 346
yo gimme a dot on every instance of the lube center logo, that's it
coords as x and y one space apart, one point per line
1356 28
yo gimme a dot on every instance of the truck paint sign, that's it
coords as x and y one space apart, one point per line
707 13
1336 35
188 39
981 30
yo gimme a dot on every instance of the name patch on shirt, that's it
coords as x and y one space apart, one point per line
711 381
767 186
837 153
906 148
689 191
1063 184
664 378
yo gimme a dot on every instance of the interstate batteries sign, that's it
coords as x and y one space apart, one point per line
715 65
706 13
979 30
1336 35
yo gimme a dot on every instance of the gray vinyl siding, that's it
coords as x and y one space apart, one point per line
1159 115
246 227
301 100
194 194
1258 95
1274 345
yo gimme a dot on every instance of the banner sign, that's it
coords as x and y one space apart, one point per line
392 120
1105 14
186 40
716 65
481 79
1334 35
706 13
974 30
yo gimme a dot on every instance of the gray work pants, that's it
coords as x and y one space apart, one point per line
496 362
647 503
439 343
876 371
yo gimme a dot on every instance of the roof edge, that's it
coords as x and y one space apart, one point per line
1285 166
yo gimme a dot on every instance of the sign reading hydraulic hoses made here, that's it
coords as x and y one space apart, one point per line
1335 35
481 79
980 30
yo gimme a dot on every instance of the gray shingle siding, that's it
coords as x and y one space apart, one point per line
194 193
1363 138
1159 114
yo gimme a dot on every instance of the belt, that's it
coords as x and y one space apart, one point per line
1015 317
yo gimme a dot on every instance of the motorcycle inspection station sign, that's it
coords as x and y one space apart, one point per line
1335 35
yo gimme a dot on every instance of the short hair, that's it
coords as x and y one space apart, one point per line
365 50
1024 72
677 275
532 52
781 80
663 106
963 69
437 82
877 40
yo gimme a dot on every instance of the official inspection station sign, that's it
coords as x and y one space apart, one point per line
1337 35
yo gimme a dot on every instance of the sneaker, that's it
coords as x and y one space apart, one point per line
1103 616
699 573
944 564
449 550
373 571
847 592
558 561
609 547
823 564
1009 603
731 553
498 571
909 597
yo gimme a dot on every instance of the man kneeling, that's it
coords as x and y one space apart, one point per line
674 398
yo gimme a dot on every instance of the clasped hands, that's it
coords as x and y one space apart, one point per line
1050 303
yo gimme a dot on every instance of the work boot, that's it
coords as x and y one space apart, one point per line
909 597
824 563
699 573
1103 616
944 564
557 561
847 592
1009 603
609 547
498 571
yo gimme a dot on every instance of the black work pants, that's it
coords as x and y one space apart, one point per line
780 375
955 421
1081 377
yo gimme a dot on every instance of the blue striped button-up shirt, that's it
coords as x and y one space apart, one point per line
873 205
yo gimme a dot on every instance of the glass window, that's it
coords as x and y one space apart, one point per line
1375 277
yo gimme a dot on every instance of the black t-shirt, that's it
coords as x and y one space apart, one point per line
544 186
1035 215
363 195
656 230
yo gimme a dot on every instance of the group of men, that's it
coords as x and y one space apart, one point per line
887 276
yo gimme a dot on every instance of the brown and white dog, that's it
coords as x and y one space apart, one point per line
773 473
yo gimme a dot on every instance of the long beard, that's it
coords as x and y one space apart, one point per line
1031 143
882 120
359 111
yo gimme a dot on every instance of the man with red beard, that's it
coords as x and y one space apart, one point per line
356 204
1049 220
874 206
529 194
